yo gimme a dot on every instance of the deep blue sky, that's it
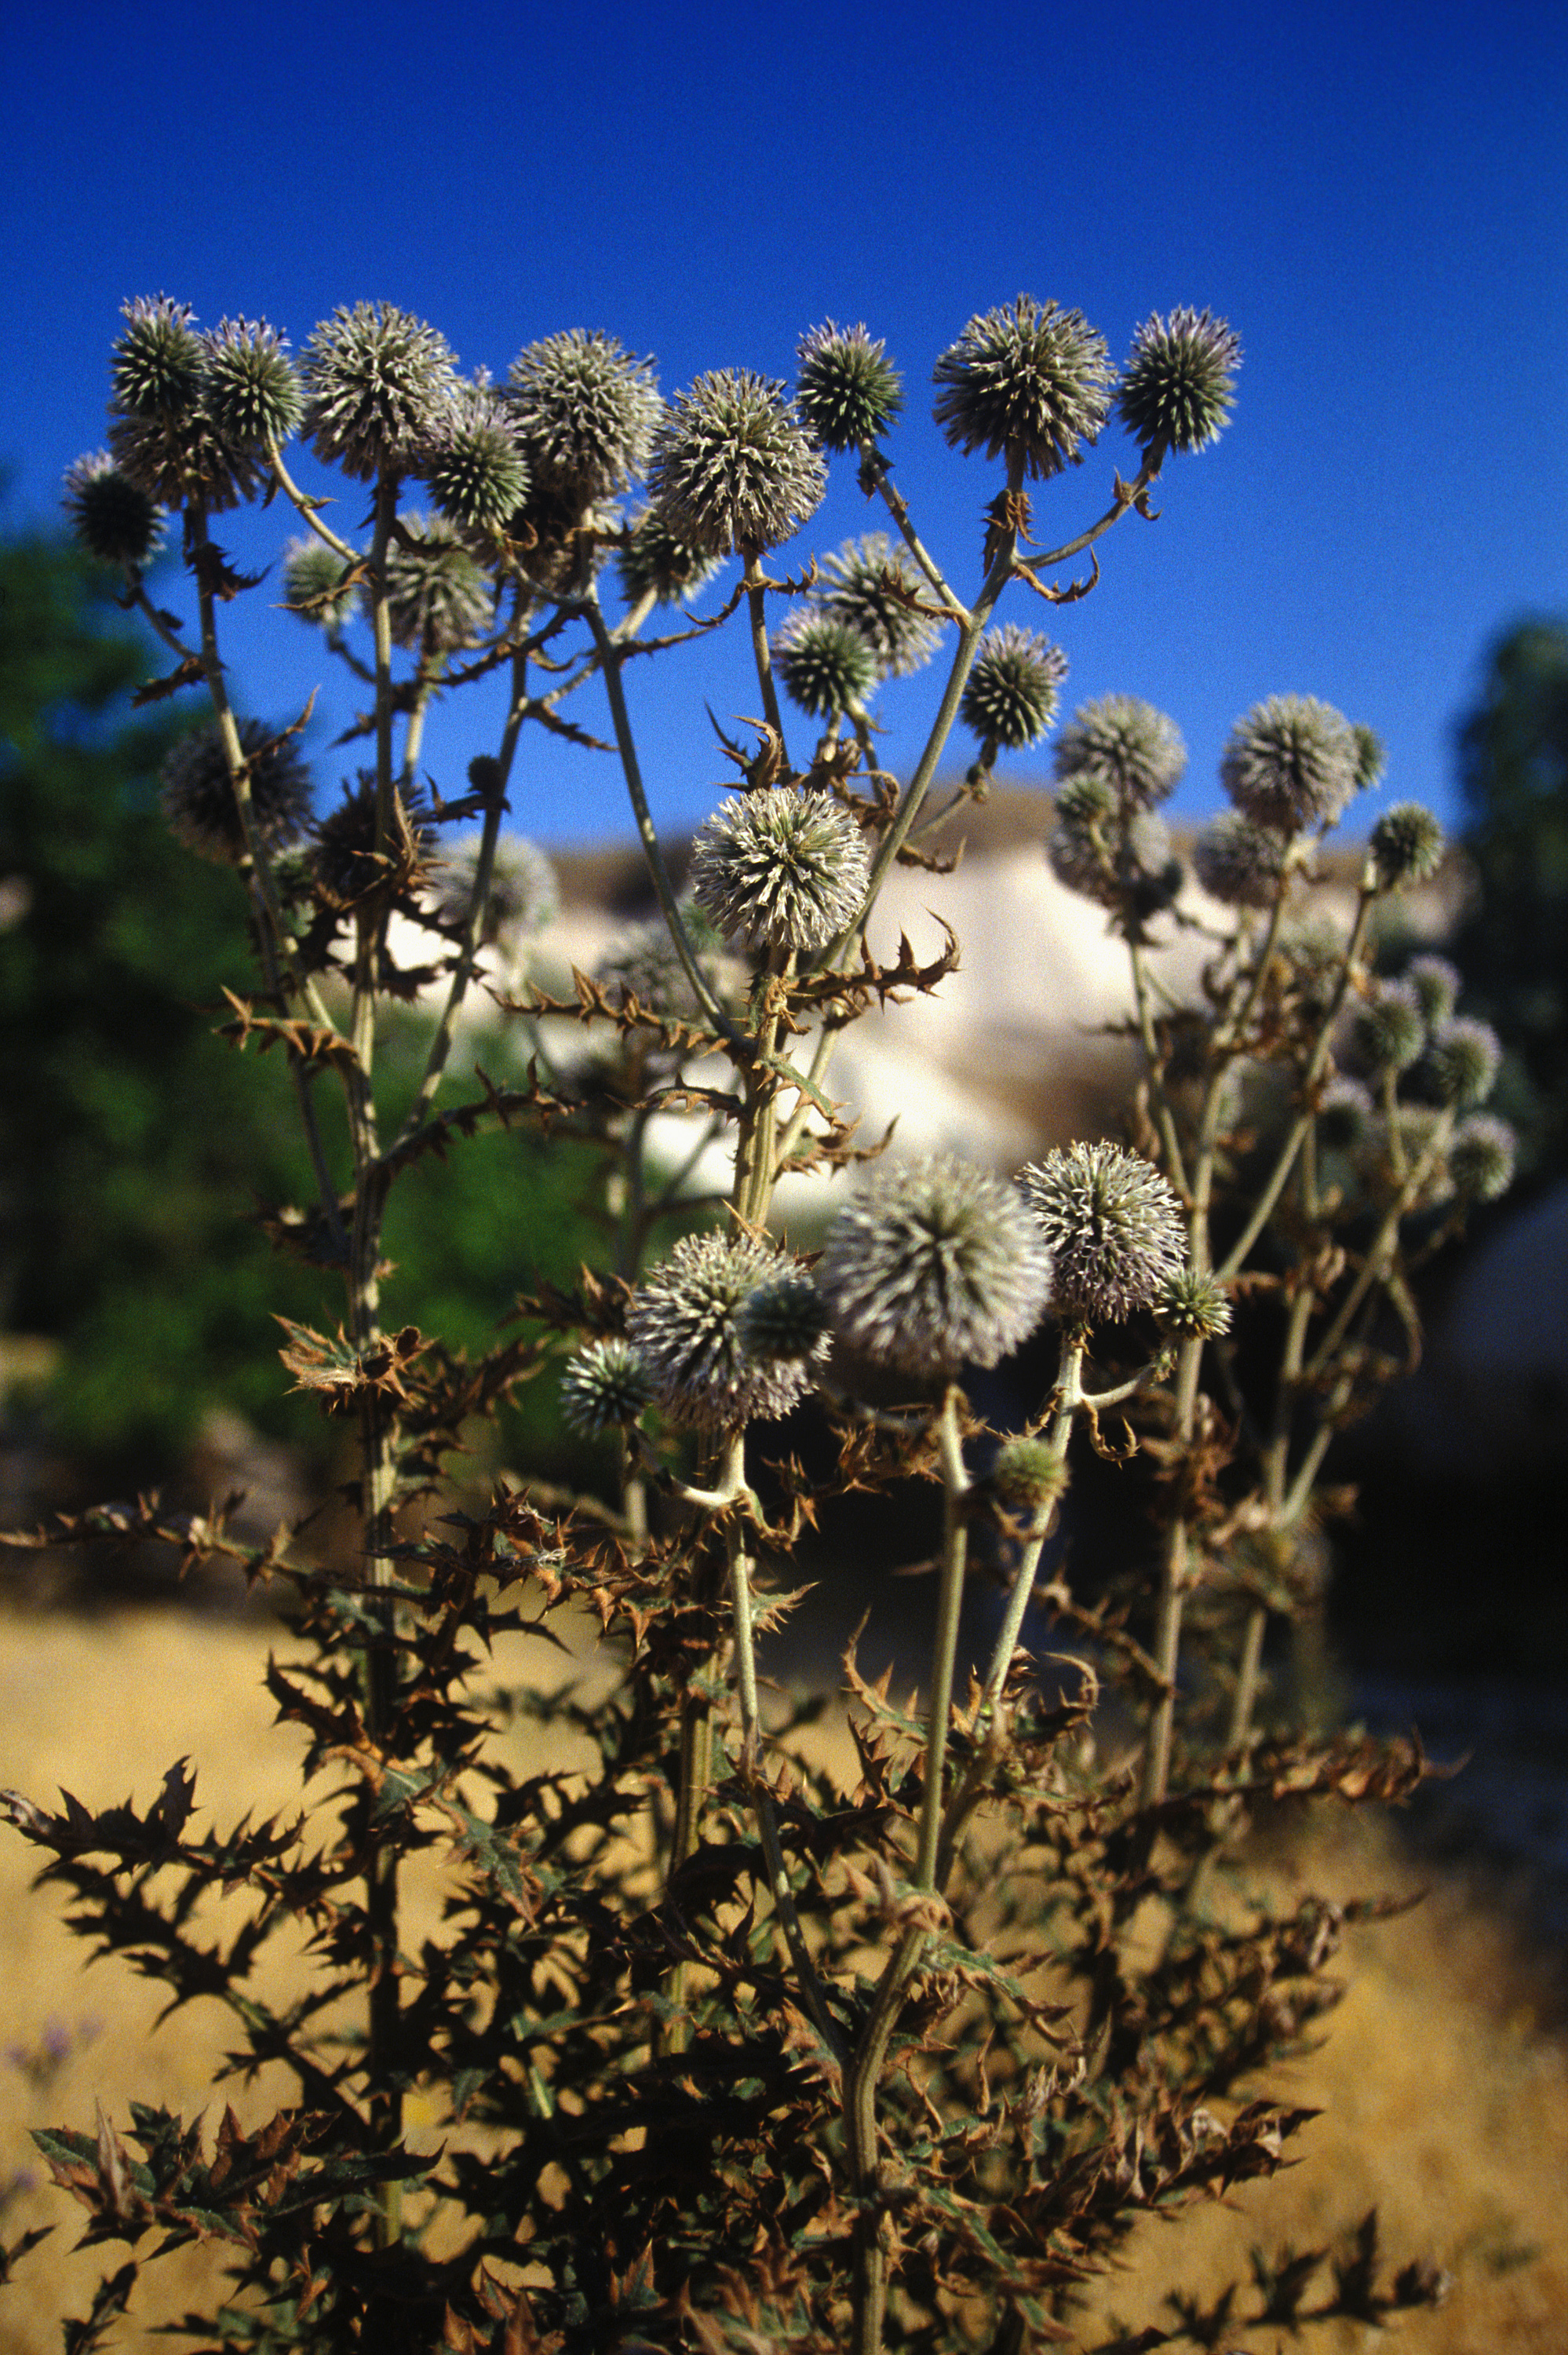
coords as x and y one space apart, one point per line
1377 199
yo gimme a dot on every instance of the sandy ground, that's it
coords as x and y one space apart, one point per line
1445 2103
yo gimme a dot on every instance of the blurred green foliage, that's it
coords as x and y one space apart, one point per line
136 1146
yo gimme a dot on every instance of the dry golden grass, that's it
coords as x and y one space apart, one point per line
1443 2100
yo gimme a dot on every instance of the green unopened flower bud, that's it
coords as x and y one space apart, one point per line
437 599
604 1388
1127 745
1387 1033
1406 845
655 559
378 382
826 666
1176 391
1011 693
685 1323
871 581
199 801
585 409
1481 1156
1290 762
112 517
1437 986
1461 1062
784 1317
1026 380
313 578
248 386
1113 1226
732 468
474 468
1028 1476
1191 1306
848 392
780 868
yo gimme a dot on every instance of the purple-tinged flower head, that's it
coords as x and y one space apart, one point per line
1125 743
1460 1065
1405 846
1113 1227
112 517
871 581
378 382
934 1265
1014 688
197 793
1481 1157
732 469
250 389
1177 389
474 465
317 585
848 392
825 665
604 1388
585 409
1291 763
1436 985
784 1317
1238 861
437 599
1345 1116
1026 380
657 562
1191 1306
162 434
1387 1032
780 868
684 1323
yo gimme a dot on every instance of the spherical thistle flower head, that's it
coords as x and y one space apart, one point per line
732 468
1238 861
1416 1130
780 868
1014 688
848 392
1191 1306
1405 846
473 466
437 597
585 409
656 562
1125 863
934 1266
1481 1157
684 1325
871 581
825 665
1372 753
162 433
197 793
377 382
1176 389
1026 379
343 861
158 360
524 895
248 386
112 517
603 1387
1125 743
1027 1476
1345 1116
1436 984
1460 1065
1113 1225
1387 1032
1291 762
317 585
784 1317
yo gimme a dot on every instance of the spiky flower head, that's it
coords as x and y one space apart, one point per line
848 392
155 373
378 382
1027 379
1345 1116
1128 745
732 468
1372 753
1177 387
161 433
344 859
684 1325
656 559
524 895
1027 1476
317 586
871 581
934 1266
1239 861
473 466
1113 1225
112 517
249 389
1461 1062
197 793
1405 846
437 596
1014 688
1125 863
1291 762
1436 985
1481 1156
1191 1306
1387 1032
604 1388
784 1317
585 409
780 868
825 665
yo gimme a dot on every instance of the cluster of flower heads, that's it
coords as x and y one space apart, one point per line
783 868
1418 1073
1115 761
698 1349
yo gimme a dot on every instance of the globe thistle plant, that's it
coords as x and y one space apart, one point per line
197 793
344 859
112 517
1191 1306
848 392
1345 1116
871 581
784 1317
162 433
824 663
1437 986
1238 861
934 1266
1012 694
1027 380
684 1323
1481 1156
158 362
780 868
250 389
438 598
318 586
1028 1476
1125 863
1291 763
1126 744
1387 1032
732 469
524 895
1113 1227
378 383
1372 754
585 409
604 1388
655 561
1460 1065
1176 389
474 468
1405 846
